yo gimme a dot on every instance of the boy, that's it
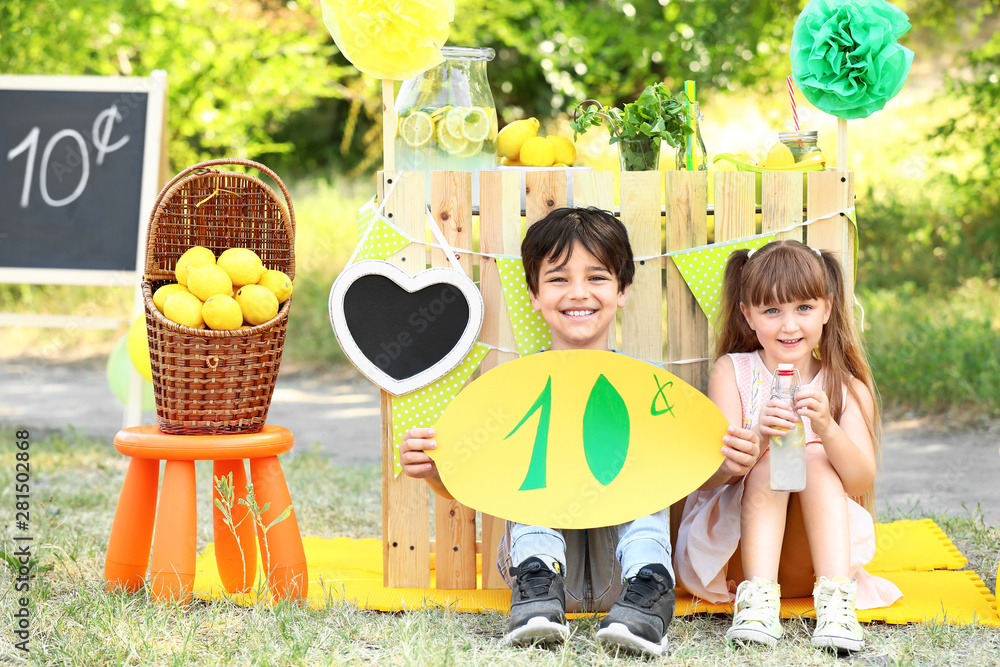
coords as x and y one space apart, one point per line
578 266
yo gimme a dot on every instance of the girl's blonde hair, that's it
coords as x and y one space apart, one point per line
784 271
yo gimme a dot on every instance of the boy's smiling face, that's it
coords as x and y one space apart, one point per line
578 297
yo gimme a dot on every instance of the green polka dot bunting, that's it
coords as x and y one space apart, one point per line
421 408
530 330
703 268
383 240
366 214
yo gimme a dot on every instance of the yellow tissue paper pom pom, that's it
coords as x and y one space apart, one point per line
390 39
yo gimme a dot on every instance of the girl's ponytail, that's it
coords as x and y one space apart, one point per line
735 335
843 356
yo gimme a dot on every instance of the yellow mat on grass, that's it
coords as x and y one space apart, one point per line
915 555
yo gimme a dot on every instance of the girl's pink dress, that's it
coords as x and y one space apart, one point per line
710 524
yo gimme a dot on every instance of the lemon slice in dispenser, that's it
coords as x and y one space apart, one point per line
476 124
448 143
417 129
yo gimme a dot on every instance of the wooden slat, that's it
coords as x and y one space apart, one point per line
642 317
596 189
735 208
831 191
546 190
454 523
687 326
782 203
405 501
499 233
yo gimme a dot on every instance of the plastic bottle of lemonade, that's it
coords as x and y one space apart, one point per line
788 452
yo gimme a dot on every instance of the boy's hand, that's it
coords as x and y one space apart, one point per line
412 453
776 419
742 449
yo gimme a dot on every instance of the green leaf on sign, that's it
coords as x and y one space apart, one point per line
605 431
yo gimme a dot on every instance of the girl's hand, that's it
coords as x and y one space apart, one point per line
412 453
813 402
742 449
776 419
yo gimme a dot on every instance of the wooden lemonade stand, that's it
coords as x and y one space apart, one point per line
659 293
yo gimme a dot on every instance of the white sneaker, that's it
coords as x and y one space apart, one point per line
755 617
836 620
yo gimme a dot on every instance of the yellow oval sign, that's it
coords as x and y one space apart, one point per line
577 439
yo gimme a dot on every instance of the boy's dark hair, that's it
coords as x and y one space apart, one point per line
553 236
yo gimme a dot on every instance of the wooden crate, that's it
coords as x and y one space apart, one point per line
654 228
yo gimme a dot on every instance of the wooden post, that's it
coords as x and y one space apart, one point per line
597 189
782 203
735 205
842 144
831 191
389 121
545 191
454 523
642 317
405 502
500 234
687 326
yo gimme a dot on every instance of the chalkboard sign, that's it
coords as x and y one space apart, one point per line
401 331
80 162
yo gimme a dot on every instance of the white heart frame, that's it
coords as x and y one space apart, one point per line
411 284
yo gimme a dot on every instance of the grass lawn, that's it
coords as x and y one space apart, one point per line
75 482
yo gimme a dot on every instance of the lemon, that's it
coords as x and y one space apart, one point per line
206 281
472 148
184 308
494 125
165 292
512 137
257 303
222 313
243 266
192 257
277 282
565 150
779 156
453 121
417 129
476 125
510 163
537 152
448 143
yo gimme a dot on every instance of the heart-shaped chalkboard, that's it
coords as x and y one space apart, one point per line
404 332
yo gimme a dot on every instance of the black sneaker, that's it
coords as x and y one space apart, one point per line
537 605
638 621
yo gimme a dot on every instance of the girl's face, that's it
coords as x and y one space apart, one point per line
788 332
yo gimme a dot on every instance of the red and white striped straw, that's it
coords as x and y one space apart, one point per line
791 96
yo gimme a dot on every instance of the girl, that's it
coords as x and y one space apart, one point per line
785 304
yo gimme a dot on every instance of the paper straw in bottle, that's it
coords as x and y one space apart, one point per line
791 98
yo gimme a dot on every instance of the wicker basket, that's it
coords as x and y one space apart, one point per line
208 382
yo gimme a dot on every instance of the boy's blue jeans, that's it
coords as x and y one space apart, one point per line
595 561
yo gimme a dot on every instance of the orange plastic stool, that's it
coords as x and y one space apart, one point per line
173 542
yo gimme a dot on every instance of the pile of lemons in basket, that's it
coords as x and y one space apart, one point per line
232 292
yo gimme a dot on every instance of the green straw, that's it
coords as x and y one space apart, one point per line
693 122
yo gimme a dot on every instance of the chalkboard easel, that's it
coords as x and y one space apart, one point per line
82 159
